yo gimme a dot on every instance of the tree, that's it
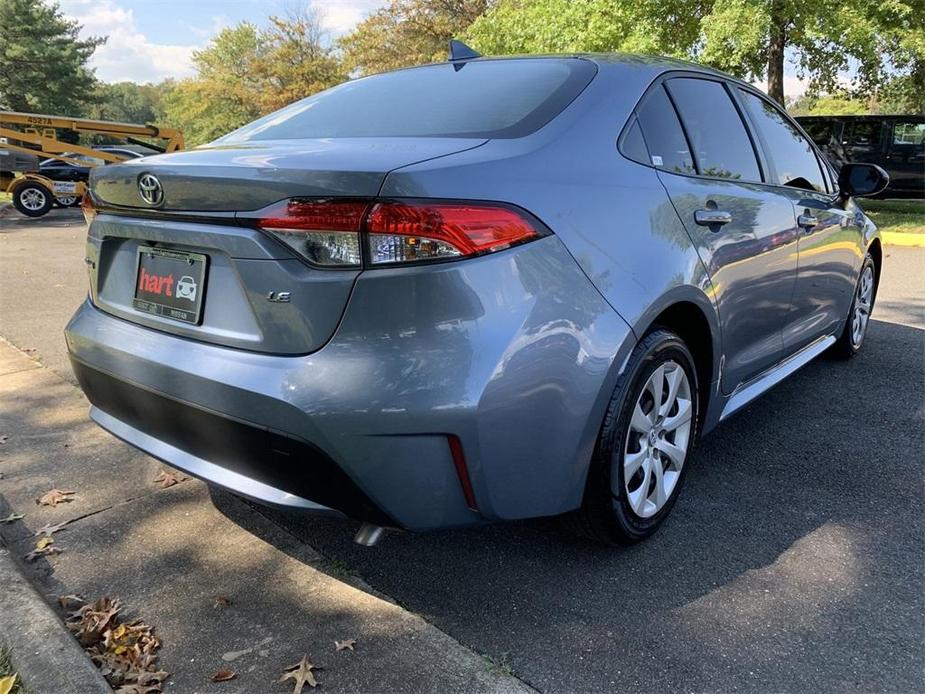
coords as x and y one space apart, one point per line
752 39
43 63
879 42
827 105
296 61
246 72
226 92
408 32
129 102
666 27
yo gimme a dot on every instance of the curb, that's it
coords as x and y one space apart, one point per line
898 238
44 653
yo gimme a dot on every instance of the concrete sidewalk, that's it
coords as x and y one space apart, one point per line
168 553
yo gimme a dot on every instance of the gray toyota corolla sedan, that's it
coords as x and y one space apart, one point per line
474 291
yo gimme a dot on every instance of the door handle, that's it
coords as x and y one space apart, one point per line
712 218
807 221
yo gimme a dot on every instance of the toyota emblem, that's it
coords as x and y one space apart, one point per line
150 189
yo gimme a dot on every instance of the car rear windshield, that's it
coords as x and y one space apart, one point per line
483 98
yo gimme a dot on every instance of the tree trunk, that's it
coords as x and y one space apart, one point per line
776 45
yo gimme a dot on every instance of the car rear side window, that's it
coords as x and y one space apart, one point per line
794 158
633 145
909 134
482 98
718 136
664 139
862 133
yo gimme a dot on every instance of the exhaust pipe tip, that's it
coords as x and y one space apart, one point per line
368 535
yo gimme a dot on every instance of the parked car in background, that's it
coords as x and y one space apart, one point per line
896 143
475 291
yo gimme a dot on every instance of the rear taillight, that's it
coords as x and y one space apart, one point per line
324 232
414 231
335 233
88 208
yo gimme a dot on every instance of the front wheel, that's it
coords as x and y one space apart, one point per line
32 199
645 444
852 337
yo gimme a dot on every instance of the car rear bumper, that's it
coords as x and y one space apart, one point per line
514 355
255 461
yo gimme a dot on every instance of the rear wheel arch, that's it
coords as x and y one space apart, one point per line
875 249
688 322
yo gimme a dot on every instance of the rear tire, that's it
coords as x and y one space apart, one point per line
852 337
646 439
32 199
67 201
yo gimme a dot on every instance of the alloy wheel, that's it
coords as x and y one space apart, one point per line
862 305
32 199
657 440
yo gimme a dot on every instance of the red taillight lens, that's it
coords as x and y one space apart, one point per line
315 215
415 231
326 232
330 232
87 207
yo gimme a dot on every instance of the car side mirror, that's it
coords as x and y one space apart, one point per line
861 180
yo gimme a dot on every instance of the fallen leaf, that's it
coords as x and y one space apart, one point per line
53 497
346 645
6 684
301 672
223 675
124 651
49 529
44 552
12 518
44 542
168 479
221 601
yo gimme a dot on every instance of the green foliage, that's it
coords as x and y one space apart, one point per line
246 72
295 62
408 32
226 92
43 63
903 216
553 26
129 102
882 40
828 105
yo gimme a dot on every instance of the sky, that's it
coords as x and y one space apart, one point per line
151 40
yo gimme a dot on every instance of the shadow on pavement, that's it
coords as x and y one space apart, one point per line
11 220
792 562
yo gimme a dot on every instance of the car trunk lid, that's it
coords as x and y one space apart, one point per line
252 175
256 294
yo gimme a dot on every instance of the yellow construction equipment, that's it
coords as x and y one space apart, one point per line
34 194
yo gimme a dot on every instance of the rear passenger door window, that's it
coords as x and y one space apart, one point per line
794 159
909 134
722 147
862 141
664 139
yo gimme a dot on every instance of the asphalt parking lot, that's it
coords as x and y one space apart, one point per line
792 562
